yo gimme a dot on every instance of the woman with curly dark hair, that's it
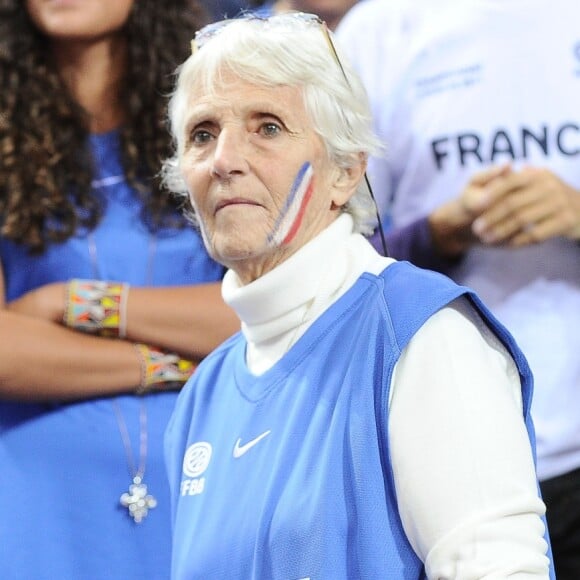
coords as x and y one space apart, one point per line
111 298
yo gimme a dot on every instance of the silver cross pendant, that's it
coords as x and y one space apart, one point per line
137 501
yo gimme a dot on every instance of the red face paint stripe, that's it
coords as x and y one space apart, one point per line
298 221
289 213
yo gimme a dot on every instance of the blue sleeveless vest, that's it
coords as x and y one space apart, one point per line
286 476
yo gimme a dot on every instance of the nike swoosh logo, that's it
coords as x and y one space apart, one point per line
239 450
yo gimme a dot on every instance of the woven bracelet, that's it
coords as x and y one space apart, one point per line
162 370
97 307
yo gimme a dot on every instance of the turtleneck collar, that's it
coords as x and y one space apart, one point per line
277 308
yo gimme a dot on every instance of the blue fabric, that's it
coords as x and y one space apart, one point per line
265 10
313 495
221 9
63 467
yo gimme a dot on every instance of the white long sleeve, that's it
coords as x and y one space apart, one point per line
463 468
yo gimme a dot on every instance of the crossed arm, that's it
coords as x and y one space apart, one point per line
40 359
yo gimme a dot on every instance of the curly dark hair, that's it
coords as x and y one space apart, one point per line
45 164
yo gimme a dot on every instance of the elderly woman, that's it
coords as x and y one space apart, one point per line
371 420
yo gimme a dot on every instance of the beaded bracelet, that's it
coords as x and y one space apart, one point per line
97 307
162 370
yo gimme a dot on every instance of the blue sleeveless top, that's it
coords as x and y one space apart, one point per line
63 467
287 475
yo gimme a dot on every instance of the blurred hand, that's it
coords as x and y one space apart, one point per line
527 207
451 223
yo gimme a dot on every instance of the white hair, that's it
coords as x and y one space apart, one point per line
289 51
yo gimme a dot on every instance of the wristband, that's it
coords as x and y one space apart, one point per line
162 370
97 307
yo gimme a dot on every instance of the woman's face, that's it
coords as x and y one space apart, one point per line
258 175
79 19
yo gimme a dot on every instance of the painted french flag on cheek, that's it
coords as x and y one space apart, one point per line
290 218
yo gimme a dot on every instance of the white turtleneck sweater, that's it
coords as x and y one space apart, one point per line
462 463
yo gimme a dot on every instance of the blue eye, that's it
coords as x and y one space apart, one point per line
270 129
200 136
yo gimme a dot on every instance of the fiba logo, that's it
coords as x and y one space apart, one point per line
196 459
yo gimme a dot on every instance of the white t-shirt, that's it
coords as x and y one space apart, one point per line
459 85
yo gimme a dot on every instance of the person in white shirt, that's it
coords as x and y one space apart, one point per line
477 104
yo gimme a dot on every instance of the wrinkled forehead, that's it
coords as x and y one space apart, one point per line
239 100
227 94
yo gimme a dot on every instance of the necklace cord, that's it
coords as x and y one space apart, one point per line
139 470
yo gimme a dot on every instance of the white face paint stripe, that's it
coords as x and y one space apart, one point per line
290 217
